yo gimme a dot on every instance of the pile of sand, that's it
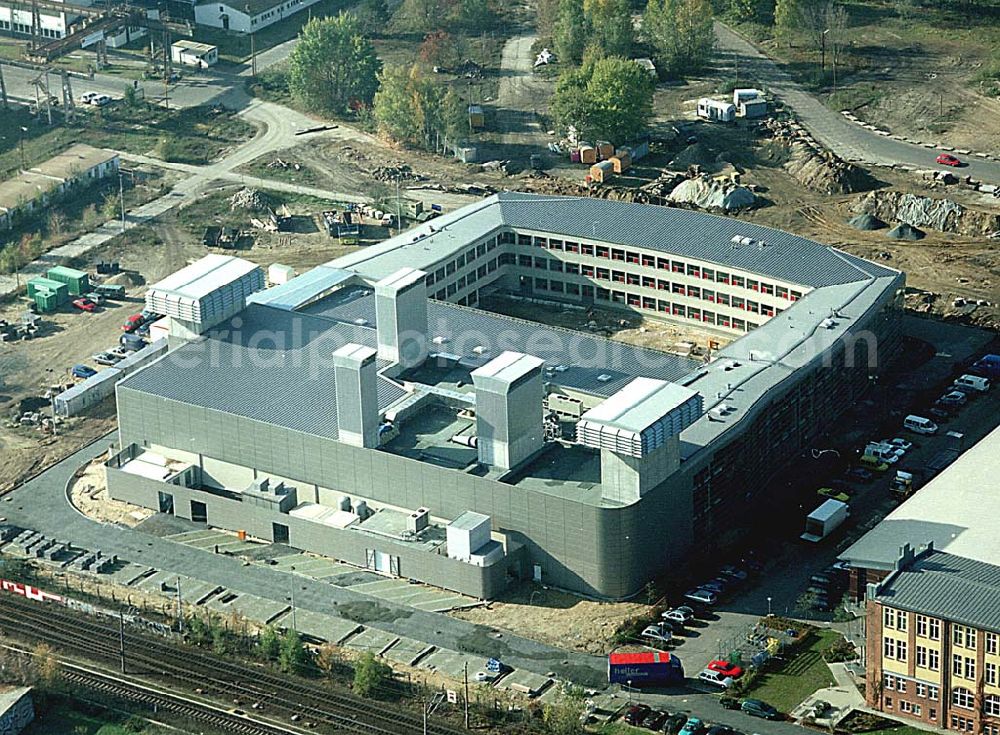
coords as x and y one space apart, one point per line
866 222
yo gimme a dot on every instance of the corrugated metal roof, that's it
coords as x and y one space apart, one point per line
593 364
204 276
303 289
686 233
946 586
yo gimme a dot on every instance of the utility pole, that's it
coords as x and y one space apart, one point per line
253 49
121 197
180 608
121 636
20 141
399 211
3 91
424 708
291 597
466 695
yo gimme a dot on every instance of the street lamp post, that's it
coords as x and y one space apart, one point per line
629 682
822 58
769 607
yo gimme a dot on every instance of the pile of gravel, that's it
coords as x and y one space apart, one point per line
866 222
903 231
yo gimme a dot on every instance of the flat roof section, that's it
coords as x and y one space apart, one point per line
957 511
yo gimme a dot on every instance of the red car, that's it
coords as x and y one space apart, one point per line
133 323
946 159
85 305
725 668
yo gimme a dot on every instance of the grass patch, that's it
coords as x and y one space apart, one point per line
266 167
802 675
195 135
62 717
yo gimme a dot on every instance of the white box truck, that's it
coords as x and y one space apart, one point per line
824 520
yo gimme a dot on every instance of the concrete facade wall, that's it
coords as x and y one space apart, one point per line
223 510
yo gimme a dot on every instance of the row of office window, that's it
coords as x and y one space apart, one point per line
895 683
646 260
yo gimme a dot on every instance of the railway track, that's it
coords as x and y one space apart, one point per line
241 683
111 688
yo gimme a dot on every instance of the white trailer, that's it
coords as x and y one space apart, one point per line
715 111
824 520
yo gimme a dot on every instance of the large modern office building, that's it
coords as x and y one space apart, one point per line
368 410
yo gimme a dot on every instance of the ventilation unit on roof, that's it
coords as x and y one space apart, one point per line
361 321
737 240
560 368
828 323
440 340
603 378
480 350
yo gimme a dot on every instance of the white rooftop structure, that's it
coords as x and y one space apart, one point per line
640 417
957 511
209 289
505 369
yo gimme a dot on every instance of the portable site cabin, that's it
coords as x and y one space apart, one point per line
745 95
605 150
715 111
192 53
47 294
76 281
588 154
477 119
602 172
756 107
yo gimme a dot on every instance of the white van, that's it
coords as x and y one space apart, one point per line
920 425
973 382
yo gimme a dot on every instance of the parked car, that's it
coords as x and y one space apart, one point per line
83 371
757 708
701 596
725 668
693 726
150 316
715 678
829 492
939 412
117 352
101 100
859 474
953 398
133 323
720 730
105 358
84 304
740 575
95 297
946 159
656 720
717 585
676 616
87 97
637 714
729 702
899 443
659 632
674 724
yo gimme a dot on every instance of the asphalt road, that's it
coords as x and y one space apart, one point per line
829 127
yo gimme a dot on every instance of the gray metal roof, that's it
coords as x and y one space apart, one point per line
593 364
946 586
266 364
957 511
683 232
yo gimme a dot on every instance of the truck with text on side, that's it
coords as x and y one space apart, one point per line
825 520
903 485
645 669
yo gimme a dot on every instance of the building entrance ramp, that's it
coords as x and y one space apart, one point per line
371 640
193 591
408 651
318 626
420 596
255 608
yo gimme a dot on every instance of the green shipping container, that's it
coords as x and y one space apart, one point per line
77 281
47 285
46 301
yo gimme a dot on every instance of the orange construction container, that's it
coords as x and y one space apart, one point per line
602 172
242 535
605 150
621 162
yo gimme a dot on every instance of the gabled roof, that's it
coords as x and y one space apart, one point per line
946 586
